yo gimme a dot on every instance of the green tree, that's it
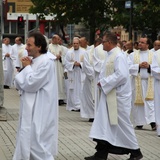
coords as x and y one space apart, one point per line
92 13
103 14
145 16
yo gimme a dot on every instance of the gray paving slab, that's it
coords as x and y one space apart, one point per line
74 143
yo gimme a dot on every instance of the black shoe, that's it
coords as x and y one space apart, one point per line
6 87
138 127
61 102
136 155
74 110
93 158
136 158
153 126
91 120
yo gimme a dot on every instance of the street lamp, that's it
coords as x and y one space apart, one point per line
129 4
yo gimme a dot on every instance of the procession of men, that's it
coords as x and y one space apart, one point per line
104 82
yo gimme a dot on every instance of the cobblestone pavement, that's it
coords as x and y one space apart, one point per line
74 143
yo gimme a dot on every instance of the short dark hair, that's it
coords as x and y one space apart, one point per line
98 40
40 41
111 37
136 43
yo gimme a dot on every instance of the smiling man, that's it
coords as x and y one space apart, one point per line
37 135
142 85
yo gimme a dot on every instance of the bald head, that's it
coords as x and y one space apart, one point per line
129 45
156 45
55 39
76 43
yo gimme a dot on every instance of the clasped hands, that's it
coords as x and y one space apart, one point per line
7 55
58 57
26 61
77 64
144 65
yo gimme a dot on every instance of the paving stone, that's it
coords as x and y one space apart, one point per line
74 143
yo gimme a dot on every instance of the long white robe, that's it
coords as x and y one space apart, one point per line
142 115
7 64
87 104
121 135
16 49
156 74
99 56
22 52
75 78
64 52
57 50
37 135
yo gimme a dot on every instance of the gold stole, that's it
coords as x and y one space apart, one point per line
81 58
91 56
101 52
150 93
111 96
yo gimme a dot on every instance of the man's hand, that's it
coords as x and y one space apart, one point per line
58 57
26 61
98 84
144 65
77 64
7 55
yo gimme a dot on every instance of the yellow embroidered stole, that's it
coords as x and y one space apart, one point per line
91 55
111 96
101 52
150 93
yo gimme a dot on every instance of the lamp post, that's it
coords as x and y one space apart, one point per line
131 20
129 5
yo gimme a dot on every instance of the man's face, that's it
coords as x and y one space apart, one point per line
143 46
106 44
83 43
6 41
17 41
157 45
55 39
33 50
129 45
76 44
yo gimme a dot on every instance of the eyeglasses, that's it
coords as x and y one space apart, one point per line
142 42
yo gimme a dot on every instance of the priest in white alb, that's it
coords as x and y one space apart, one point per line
156 74
99 56
88 96
37 135
56 50
74 65
112 128
142 85
8 59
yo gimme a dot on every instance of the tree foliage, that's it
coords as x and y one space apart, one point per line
102 14
145 16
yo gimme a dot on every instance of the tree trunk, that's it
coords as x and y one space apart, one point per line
63 33
154 35
92 35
